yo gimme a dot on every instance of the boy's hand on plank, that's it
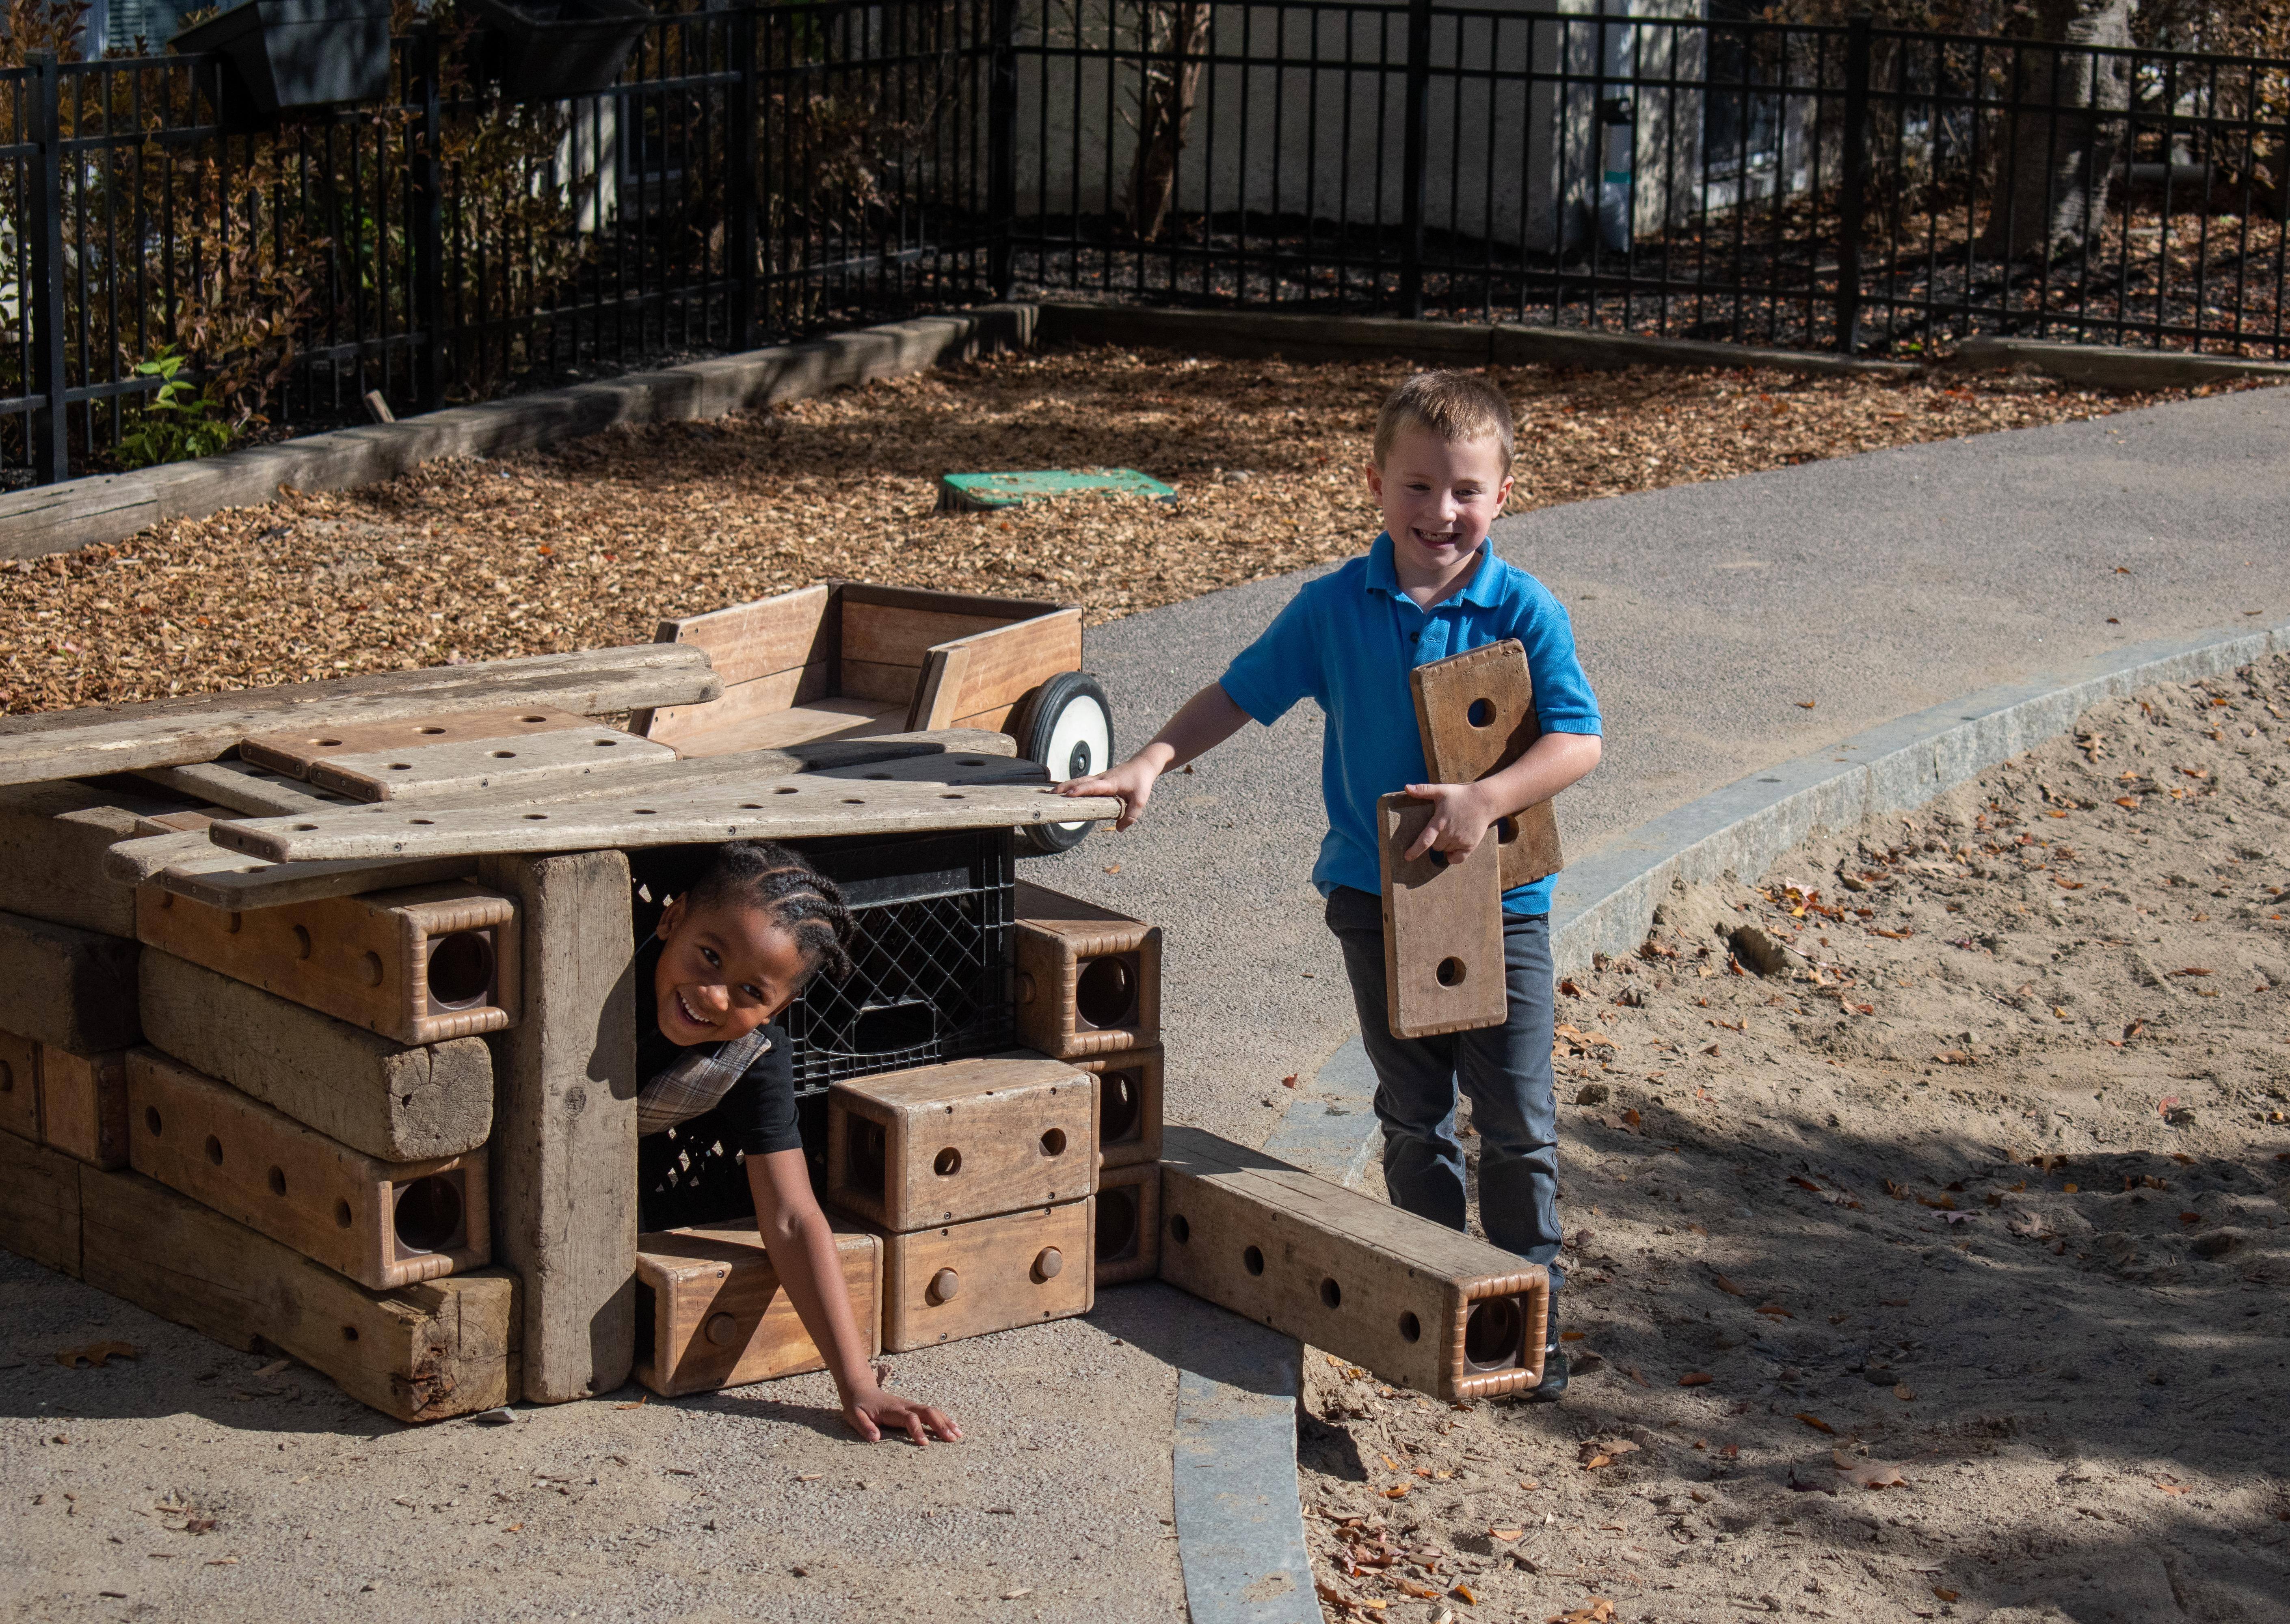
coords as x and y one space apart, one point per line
1463 815
1132 780
871 1410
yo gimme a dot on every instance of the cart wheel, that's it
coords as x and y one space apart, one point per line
1066 726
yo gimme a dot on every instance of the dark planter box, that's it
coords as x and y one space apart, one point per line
547 50
283 56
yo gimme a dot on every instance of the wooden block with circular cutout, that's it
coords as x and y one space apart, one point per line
710 1312
990 1273
1443 937
1423 1306
1476 712
20 1087
383 1224
420 964
1128 1104
1088 979
84 1105
965 1140
1127 1227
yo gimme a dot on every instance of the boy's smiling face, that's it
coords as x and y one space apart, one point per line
725 970
1438 496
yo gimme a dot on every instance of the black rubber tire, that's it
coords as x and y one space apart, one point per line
1034 723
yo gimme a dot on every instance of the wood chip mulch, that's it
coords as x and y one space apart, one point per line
592 543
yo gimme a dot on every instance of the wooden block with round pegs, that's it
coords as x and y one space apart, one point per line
1443 937
1127 1228
1088 979
710 1312
1424 1306
1476 712
20 1087
990 1273
420 964
84 1105
383 1224
965 1140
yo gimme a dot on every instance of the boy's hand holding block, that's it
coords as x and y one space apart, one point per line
1476 712
1443 935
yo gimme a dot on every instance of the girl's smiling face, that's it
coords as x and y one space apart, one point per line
725 970
1438 496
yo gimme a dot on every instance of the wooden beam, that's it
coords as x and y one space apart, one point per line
173 733
39 1204
72 989
245 787
52 840
711 1314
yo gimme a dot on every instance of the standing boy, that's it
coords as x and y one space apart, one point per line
1430 587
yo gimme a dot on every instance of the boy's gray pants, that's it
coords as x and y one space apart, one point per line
1505 1069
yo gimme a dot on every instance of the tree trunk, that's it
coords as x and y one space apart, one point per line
2062 132
1166 108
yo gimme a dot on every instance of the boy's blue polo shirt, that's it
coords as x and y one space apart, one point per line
1348 640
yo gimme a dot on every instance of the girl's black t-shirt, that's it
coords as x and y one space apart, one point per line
759 1114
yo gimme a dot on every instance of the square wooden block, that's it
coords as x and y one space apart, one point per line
1128 1105
969 1139
991 1274
1088 979
1128 1224
710 1313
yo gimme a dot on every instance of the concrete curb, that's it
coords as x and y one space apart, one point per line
102 508
1240 1525
2106 366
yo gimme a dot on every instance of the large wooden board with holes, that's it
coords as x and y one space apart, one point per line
298 752
419 966
1476 712
1127 1229
418 1353
1088 979
383 1224
1424 1306
710 1312
990 1273
1442 939
175 733
501 766
84 1105
39 1204
969 1139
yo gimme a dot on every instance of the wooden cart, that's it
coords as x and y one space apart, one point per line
845 659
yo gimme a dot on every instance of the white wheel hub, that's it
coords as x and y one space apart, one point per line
1081 742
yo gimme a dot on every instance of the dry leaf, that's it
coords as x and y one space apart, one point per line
1595 1461
1696 1379
1775 1310
1805 704
1867 1474
272 1369
1902 1391
1728 1287
96 1353
1814 1422
1946 1595
1465 1593
1506 1533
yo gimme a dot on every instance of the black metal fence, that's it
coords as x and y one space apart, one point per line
765 170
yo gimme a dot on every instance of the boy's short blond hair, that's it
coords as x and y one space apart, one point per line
1459 407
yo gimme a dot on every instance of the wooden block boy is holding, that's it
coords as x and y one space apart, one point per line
1430 588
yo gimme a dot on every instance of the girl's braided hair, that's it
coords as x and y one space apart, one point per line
795 896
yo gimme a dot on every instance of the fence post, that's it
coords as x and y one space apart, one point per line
1001 142
739 183
1852 207
50 438
425 224
1415 147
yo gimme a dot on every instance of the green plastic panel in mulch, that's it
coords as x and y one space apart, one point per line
983 492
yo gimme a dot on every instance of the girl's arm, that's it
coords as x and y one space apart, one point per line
802 1247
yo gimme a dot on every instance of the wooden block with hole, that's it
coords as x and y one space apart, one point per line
1443 937
1476 712
1128 1105
990 1273
1423 1306
710 1312
84 1105
969 1139
1088 979
1127 1227
420 964
383 1224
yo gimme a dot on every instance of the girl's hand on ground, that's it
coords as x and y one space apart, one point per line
1132 780
872 1411
1459 822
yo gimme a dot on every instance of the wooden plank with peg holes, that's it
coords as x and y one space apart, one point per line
968 1138
991 1274
710 1312
1443 937
1476 713
297 752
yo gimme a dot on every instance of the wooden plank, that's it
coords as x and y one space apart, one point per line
1476 713
53 839
72 989
20 1087
761 638
295 752
564 1124
870 679
173 733
744 708
710 1313
1009 663
939 686
506 766
232 880
1129 1093
994 718
793 808
968 1138
419 966
991 1274
1424 1306
257 792
39 1204
1442 939
926 600
1125 1231
1088 980
899 634
84 1105
817 716
418 1353
392 1101
383 1224
942 770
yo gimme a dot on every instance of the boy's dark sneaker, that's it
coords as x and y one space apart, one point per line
1553 1364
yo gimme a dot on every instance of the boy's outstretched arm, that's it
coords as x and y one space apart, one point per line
802 1247
1207 720
1467 810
